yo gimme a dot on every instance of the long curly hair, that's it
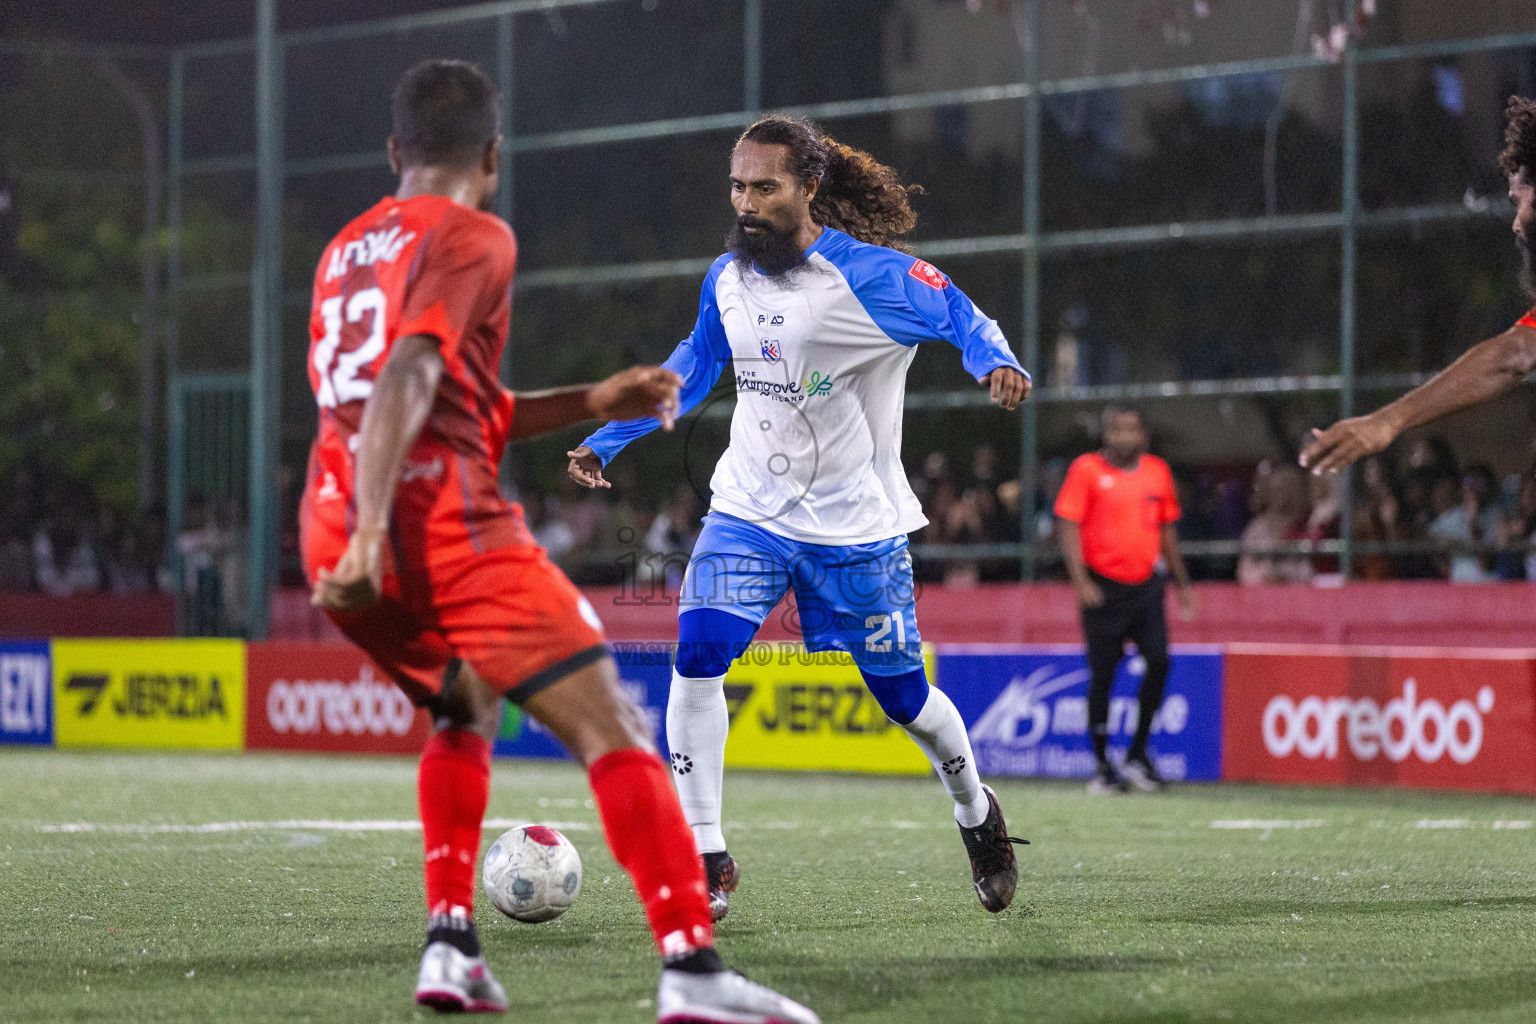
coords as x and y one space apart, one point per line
858 194
1519 137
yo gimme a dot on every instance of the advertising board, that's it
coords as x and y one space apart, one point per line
327 697
788 709
1026 709
149 693
1382 717
26 692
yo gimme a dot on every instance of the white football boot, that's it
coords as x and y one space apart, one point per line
724 997
451 982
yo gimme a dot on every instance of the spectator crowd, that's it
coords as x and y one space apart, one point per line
1442 517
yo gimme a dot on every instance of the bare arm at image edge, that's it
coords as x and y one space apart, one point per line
1487 370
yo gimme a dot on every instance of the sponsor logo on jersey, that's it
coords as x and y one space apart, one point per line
816 385
374 247
771 350
928 274
412 471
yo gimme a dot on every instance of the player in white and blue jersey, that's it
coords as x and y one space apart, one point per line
820 318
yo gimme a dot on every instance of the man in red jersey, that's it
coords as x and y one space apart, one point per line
1486 370
1116 512
413 553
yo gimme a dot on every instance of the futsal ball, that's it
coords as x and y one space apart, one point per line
532 874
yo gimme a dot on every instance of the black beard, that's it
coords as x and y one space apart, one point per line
1527 267
774 252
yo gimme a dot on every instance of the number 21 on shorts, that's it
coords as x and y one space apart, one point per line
341 384
879 640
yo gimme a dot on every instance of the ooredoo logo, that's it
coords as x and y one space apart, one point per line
1404 727
365 705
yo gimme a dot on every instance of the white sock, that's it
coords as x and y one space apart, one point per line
697 724
940 731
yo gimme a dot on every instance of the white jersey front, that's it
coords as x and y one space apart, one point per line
820 358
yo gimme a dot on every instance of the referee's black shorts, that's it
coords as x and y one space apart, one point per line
1131 611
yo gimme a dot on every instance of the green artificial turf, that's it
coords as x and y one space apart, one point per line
855 898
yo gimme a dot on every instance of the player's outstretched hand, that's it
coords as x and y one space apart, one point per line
636 392
358 579
1009 387
1346 442
586 468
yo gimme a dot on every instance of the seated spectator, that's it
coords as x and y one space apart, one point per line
1474 519
1323 523
670 540
15 561
1516 527
1283 520
553 535
65 558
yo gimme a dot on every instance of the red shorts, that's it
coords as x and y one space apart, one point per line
509 612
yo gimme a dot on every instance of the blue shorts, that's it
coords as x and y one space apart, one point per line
857 598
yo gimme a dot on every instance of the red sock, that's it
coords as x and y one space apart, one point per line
453 786
647 833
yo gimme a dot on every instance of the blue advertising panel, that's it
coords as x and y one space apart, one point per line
1026 709
26 692
645 674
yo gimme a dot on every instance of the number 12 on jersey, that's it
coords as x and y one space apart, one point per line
339 383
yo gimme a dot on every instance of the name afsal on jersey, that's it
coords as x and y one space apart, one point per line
374 247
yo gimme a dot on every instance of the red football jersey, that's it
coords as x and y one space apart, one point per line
1120 512
1529 320
424 265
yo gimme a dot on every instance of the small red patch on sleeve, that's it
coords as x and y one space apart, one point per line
1529 320
542 835
928 274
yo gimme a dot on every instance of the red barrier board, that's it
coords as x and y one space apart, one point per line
326 697
1454 719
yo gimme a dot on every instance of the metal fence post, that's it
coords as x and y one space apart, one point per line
1351 210
1029 455
175 414
752 57
266 321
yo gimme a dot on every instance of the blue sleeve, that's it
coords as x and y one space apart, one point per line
698 359
911 302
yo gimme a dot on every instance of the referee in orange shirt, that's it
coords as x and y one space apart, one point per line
1116 511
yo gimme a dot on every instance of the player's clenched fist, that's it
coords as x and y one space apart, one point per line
1009 387
358 579
1346 442
636 392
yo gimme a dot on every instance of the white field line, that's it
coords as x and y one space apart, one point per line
296 825
1267 825
1442 823
1511 824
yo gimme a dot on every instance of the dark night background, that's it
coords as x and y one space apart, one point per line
69 240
